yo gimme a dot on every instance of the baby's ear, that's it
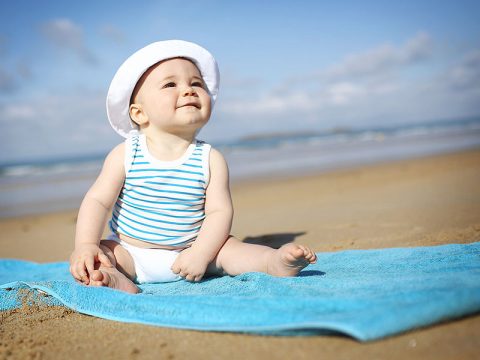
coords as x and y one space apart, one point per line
137 114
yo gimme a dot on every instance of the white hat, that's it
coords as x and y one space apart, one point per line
127 76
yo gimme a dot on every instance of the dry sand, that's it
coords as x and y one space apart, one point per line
426 201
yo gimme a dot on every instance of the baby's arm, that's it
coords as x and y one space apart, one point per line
93 214
192 262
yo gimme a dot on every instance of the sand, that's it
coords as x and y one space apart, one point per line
427 201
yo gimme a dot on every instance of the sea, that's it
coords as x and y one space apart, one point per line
60 184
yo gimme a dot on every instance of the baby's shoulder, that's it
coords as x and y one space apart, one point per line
117 154
217 160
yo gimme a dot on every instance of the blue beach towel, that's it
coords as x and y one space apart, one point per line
366 294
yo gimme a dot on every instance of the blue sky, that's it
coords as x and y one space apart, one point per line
285 65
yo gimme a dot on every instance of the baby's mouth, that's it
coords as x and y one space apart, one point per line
190 105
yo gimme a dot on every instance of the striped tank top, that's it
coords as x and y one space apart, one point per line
162 202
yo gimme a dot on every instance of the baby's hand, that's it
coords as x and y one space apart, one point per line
83 259
190 265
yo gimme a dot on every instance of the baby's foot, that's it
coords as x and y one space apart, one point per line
290 259
111 277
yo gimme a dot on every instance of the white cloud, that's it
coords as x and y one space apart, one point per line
18 112
67 35
368 63
343 92
268 104
383 58
337 94
356 77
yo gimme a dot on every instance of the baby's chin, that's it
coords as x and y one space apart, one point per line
195 118
197 122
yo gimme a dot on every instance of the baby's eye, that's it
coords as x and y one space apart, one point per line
197 84
168 85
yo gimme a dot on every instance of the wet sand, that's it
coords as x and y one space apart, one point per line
427 201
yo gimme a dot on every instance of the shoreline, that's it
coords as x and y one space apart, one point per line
426 201
333 171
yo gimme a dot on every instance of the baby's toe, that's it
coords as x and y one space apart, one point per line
297 252
96 276
307 254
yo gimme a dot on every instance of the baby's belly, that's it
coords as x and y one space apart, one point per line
148 245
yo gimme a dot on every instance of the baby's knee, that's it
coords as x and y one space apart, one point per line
231 243
228 250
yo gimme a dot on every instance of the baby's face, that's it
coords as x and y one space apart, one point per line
174 97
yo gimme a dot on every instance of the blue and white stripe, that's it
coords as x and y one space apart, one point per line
162 202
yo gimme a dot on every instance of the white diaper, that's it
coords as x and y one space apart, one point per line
151 265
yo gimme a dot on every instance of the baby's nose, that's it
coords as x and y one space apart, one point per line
189 91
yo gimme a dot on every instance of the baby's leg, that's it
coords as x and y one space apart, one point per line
121 275
237 257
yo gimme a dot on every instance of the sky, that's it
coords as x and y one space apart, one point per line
286 66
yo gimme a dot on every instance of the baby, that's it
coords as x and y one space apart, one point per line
167 192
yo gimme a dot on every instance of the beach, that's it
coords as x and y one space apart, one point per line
424 201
